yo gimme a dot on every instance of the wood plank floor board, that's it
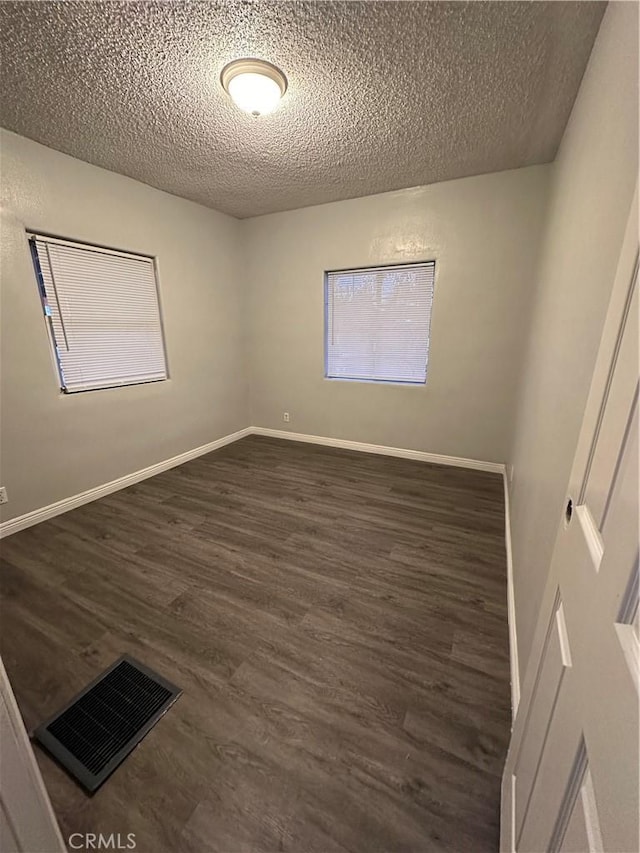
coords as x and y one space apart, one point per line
337 621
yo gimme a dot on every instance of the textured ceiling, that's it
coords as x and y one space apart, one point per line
382 95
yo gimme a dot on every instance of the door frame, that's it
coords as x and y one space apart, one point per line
29 822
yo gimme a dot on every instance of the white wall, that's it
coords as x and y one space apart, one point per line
55 445
592 186
483 233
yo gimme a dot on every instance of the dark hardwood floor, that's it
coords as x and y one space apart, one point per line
338 624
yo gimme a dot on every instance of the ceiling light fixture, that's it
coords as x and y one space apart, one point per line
254 85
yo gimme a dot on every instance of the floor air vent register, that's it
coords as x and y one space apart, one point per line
96 731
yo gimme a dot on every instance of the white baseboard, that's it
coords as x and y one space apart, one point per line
13 525
511 606
418 455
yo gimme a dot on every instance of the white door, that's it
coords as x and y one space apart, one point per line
27 822
571 776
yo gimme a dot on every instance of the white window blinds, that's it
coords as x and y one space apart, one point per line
378 321
103 312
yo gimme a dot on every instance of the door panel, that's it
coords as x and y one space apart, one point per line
549 793
571 776
555 661
615 420
579 831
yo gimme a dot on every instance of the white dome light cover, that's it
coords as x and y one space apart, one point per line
254 85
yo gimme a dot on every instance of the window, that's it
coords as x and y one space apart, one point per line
377 323
103 314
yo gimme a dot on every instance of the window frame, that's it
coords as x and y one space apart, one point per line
396 382
32 236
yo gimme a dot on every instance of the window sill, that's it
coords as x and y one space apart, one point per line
392 382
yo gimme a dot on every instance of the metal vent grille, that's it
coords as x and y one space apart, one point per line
95 732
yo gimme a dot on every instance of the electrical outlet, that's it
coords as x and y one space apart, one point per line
285 417
4 498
